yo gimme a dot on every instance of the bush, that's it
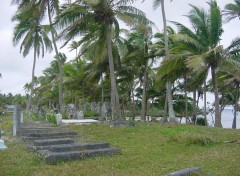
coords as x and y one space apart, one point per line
51 118
192 139
201 121
90 113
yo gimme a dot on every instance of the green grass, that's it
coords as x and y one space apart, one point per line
147 149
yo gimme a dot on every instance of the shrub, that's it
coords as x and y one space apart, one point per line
201 121
90 113
191 139
51 118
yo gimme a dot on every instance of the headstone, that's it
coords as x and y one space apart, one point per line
93 106
98 108
79 115
21 117
2 146
59 119
16 120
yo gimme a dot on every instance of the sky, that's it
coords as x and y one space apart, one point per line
16 70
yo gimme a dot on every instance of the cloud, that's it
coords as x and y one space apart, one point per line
16 70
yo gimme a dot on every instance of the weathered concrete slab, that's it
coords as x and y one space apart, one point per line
71 147
79 147
185 172
53 141
25 131
53 157
79 121
51 135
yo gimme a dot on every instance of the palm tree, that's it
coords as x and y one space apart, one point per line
34 36
52 7
205 38
232 10
229 74
85 15
171 113
74 45
138 44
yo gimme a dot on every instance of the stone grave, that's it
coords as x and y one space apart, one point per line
54 145
2 145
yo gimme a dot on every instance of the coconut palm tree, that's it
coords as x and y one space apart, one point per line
171 113
85 15
32 34
229 75
138 43
52 7
232 10
205 38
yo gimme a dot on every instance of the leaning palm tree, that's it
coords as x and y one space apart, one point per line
33 35
85 15
232 10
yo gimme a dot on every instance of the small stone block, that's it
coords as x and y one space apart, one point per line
185 172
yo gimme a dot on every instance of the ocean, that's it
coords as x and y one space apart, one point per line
227 118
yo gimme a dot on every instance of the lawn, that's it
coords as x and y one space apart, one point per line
147 149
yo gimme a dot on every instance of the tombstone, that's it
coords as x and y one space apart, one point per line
59 119
2 146
93 106
98 108
16 120
79 115
21 117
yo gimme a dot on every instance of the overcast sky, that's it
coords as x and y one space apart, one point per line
16 70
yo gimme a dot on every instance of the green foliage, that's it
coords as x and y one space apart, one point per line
188 138
51 118
201 121
155 112
89 113
35 117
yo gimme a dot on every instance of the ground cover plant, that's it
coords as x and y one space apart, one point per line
146 149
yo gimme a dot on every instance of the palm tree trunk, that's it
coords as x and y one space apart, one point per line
215 89
186 100
205 103
60 85
194 107
165 111
144 97
169 85
102 100
133 104
115 105
32 83
234 124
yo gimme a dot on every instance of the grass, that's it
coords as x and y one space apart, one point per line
147 149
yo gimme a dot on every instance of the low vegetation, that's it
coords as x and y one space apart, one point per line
146 149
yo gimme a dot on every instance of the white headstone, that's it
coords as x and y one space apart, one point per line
59 119
80 115
2 146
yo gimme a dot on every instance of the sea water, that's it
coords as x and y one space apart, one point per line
227 118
